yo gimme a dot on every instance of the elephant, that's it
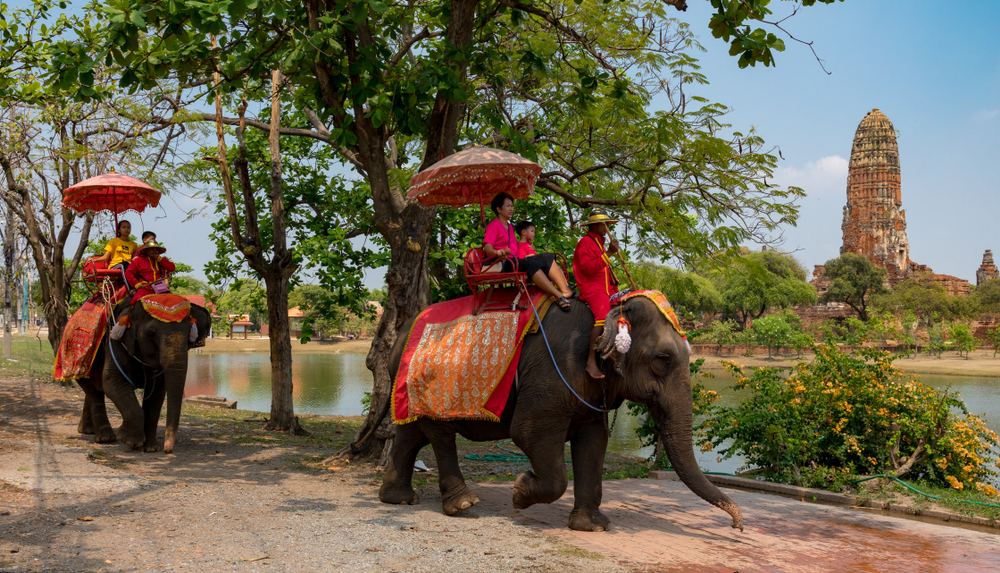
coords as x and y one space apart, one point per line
154 355
541 414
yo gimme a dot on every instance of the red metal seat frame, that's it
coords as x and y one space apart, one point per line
483 284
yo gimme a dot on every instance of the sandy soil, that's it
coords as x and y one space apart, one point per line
231 498
980 363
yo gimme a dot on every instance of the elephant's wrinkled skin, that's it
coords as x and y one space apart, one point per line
163 347
542 414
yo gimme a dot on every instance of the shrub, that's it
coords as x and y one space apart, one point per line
962 338
850 414
771 331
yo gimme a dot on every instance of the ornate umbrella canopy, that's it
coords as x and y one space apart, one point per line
475 175
111 192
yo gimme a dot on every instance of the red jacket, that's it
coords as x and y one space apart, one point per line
142 271
592 268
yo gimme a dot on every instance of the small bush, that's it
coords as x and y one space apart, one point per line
850 414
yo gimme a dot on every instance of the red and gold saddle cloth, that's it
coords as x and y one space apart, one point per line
166 307
460 366
80 341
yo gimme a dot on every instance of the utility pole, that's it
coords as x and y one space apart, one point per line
8 255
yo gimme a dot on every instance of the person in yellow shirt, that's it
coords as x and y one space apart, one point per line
118 252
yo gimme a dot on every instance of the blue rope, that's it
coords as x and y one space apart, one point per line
546 339
111 349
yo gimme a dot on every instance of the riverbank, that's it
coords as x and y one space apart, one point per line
255 345
979 363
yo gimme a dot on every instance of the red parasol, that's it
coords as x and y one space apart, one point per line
111 192
473 175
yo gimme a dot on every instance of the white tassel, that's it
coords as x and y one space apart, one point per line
193 336
623 341
117 331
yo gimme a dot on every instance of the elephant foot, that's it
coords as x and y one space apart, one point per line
105 435
583 520
522 491
151 446
398 495
460 500
134 440
85 427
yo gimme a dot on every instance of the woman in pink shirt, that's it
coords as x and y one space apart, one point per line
502 252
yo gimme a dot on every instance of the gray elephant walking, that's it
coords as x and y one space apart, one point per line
152 355
542 414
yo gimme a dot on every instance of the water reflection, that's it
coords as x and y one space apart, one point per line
333 384
325 384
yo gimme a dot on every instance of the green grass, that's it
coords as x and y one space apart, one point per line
29 357
950 499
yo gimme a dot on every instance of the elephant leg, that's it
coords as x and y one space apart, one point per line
455 495
397 481
86 425
121 392
545 446
588 446
152 404
94 418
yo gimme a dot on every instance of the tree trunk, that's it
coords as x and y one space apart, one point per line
282 409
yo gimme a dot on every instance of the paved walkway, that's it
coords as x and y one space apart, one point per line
661 526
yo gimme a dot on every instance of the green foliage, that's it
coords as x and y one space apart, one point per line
962 339
855 281
987 297
994 337
928 301
722 332
771 331
244 297
691 291
761 281
852 414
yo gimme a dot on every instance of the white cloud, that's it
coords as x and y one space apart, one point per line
824 177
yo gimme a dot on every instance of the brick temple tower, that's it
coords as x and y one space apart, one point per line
874 224
987 271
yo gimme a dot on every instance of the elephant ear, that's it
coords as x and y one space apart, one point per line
204 323
605 346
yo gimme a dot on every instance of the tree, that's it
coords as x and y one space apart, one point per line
50 145
722 332
395 100
771 331
692 291
762 281
928 301
854 280
994 338
987 297
961 336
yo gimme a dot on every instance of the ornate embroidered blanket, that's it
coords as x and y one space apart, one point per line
660 300
80 341
166 307
457 366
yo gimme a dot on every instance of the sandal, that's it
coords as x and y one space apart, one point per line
564 304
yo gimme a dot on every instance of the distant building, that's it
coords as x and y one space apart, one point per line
987 271
874 224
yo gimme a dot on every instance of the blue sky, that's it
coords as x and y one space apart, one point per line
932 68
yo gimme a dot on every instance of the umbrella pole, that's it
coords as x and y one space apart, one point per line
624 265
482 210
114 202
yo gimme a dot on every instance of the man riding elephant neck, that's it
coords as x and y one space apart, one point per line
147 271
595 277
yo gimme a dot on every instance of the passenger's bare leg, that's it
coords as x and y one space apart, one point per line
592 368
557 278
543 282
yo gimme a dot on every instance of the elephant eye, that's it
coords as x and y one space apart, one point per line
661 364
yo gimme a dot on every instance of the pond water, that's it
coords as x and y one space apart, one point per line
334 384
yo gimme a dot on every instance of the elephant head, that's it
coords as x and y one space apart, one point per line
655 371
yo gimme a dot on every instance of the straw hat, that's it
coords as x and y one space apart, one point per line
598 216
149 249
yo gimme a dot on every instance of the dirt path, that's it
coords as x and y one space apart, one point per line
233 498
220 506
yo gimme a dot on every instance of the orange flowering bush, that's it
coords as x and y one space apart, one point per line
851 414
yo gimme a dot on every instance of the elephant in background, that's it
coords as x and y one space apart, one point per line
542 414
153 355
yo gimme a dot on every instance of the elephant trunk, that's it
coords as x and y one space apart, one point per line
174 357
673 411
